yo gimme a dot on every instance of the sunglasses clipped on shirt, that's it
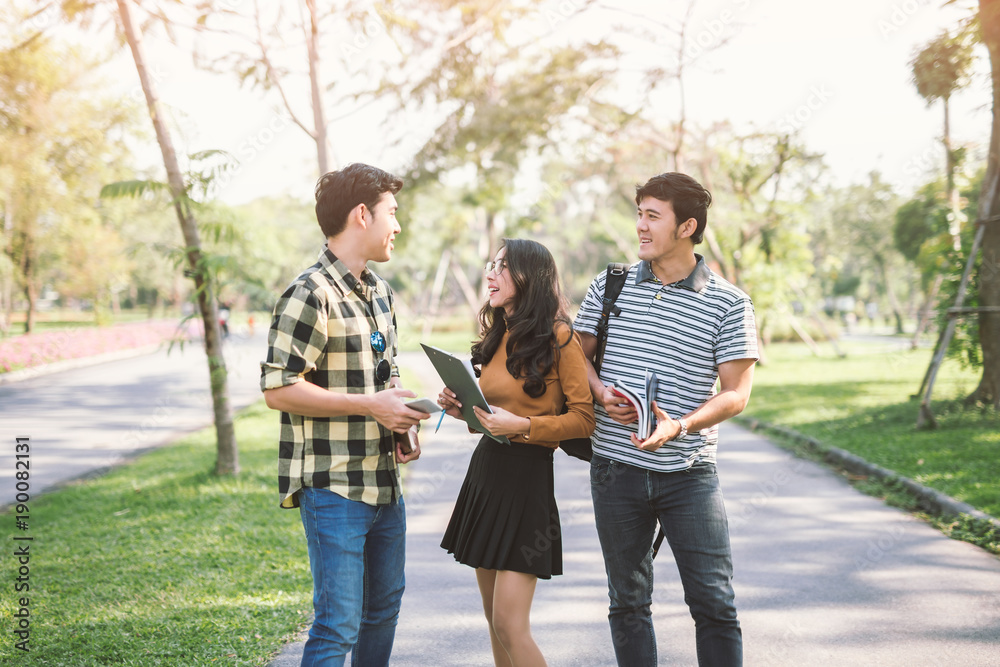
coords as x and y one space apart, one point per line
382 369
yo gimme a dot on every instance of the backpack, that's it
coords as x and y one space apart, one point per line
615 275
582 448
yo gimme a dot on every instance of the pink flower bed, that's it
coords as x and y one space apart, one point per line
49 346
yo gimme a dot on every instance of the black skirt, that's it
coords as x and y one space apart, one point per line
506 517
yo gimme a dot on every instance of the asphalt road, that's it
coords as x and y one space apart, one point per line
85 420
824 574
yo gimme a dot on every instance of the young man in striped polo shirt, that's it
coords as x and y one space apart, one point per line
690 327
330 371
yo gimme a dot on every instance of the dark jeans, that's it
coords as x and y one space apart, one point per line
628 501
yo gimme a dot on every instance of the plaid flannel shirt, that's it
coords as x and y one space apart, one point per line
320 333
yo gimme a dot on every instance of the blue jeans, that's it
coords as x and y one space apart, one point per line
356 553
628 501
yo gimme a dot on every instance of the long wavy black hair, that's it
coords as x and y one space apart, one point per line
538 304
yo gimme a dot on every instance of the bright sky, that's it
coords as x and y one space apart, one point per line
836 71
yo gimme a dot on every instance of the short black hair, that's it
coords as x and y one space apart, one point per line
686 196
338 192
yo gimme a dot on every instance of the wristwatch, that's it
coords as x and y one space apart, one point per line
684 429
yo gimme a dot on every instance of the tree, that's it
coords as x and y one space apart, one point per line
59 141
939 69
227 461
988 273
273 49
499 97
860 216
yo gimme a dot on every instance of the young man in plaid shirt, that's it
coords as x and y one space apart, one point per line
330 370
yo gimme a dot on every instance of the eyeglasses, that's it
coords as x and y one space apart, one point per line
382 369
497 266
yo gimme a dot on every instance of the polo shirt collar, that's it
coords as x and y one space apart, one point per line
696 280
341 275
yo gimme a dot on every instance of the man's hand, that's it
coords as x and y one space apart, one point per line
502 422
389 410
665 431
616 407
414 453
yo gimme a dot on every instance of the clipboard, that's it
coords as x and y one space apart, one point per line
458 376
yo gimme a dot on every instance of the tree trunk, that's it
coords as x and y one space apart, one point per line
319 119
954 205
891 294
227 459
925 311
28 276
988 390
31 295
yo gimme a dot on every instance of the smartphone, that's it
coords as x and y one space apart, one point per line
424 405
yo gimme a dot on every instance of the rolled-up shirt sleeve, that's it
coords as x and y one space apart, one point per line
296 339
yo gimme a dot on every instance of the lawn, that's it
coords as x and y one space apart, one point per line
161 562
861 403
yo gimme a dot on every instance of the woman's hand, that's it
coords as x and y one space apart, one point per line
502 422
449 403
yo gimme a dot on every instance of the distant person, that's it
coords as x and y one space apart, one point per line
331 371
224 313
530 365
691 327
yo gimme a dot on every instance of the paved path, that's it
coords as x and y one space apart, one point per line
85 420
824 574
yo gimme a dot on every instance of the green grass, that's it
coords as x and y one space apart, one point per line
161 562
862 404
66 318
454 334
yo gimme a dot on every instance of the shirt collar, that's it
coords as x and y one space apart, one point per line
695 281
341 275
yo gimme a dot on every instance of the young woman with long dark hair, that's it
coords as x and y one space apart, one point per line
531 366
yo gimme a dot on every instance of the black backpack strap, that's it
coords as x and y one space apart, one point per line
614 281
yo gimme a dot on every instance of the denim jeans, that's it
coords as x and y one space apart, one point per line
628 501
356 553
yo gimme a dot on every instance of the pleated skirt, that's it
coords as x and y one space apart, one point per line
506 517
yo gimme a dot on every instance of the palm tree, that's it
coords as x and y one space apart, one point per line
227 461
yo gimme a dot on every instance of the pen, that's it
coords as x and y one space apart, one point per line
440 419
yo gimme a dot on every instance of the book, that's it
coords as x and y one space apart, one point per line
407 441
641 400
457 375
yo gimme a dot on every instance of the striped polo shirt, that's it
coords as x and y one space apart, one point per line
681 332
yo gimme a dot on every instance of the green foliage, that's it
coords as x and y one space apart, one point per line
133 188
943 65
59 140
965 345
